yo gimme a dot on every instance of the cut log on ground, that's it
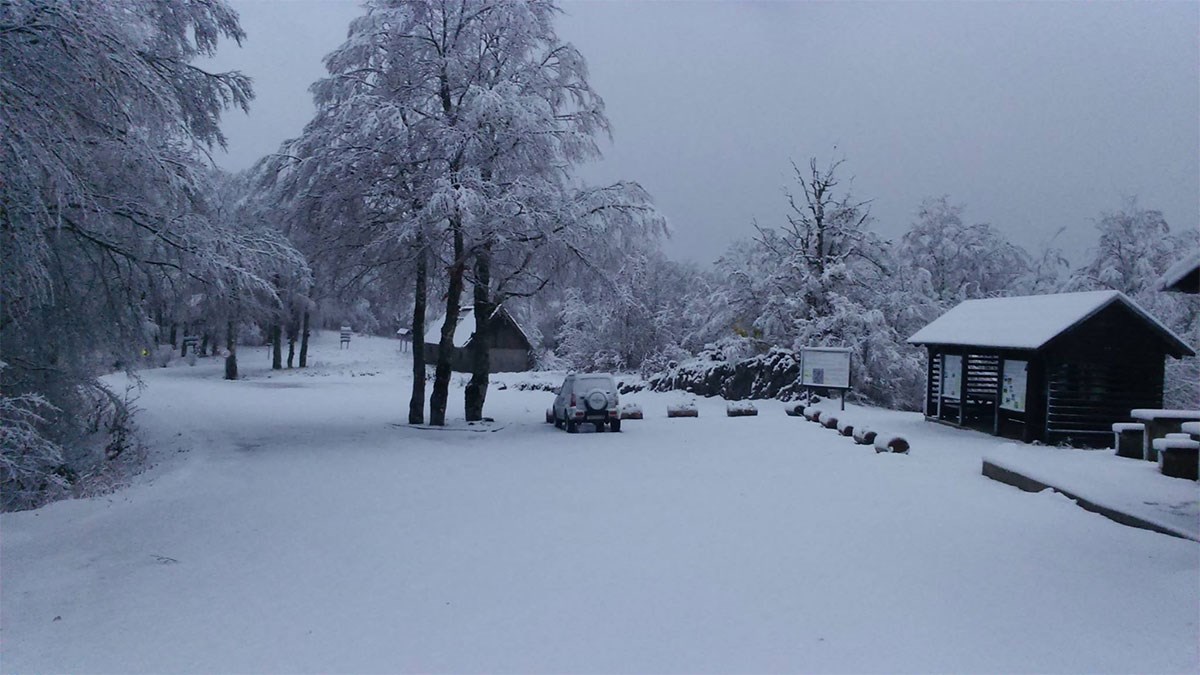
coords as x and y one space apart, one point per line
682 410
740 409
864 436
631 411
829 422
812 415
891 443
845 428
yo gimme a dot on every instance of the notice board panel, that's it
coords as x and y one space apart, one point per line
825 367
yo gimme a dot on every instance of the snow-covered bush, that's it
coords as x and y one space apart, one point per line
30 463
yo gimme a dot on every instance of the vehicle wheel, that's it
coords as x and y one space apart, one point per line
615 424
572 427
558 422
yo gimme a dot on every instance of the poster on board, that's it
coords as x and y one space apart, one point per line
825 367
1012 389
951 376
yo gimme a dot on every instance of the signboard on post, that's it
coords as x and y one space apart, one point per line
826 367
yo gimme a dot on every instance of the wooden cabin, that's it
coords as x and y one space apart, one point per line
1050 368
509 349
1184 275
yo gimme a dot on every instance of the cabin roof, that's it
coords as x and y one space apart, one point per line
1029 322
1182 275
465 329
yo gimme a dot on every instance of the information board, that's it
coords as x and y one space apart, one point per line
825 367
951 376
1012 389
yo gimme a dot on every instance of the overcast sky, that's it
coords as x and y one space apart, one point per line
1037 116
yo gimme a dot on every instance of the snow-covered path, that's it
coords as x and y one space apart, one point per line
292 525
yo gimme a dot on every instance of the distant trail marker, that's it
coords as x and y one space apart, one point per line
345 341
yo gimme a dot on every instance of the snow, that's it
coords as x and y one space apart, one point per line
1184 266
463 330
293 523
1156 414
1175 444
1132 486
1023 322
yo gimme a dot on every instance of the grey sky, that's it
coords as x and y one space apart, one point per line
1036 115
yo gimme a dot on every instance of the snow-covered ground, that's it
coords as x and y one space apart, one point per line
293 523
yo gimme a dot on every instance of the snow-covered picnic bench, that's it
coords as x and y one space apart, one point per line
1159 423
1178 456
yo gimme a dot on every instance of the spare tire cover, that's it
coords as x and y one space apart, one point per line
596 400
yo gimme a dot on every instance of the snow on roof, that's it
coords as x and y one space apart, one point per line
1025 322
462 331
465 327
1185 266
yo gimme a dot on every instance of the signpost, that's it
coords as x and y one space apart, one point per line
826 368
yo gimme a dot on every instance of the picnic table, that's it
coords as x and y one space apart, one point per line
1159 423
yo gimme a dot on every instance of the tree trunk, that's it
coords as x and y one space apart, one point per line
441 374
204 345
292 331
476 391
276 347
416 405
174 332
230 347
304 341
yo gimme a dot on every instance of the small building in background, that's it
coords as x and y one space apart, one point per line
509 348
1050 368
1184 275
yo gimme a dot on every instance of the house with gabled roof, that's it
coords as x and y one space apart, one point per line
1184 275
509 348
1049 368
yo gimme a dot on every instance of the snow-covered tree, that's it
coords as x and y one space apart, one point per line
963 260
104 204
449 129
1135 247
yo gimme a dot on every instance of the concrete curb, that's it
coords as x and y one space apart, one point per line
1019 480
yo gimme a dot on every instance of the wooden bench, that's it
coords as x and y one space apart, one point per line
1128 439
1178 457
1192 429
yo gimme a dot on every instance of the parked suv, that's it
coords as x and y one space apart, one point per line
587 397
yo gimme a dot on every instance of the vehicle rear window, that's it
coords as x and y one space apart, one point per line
594 382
